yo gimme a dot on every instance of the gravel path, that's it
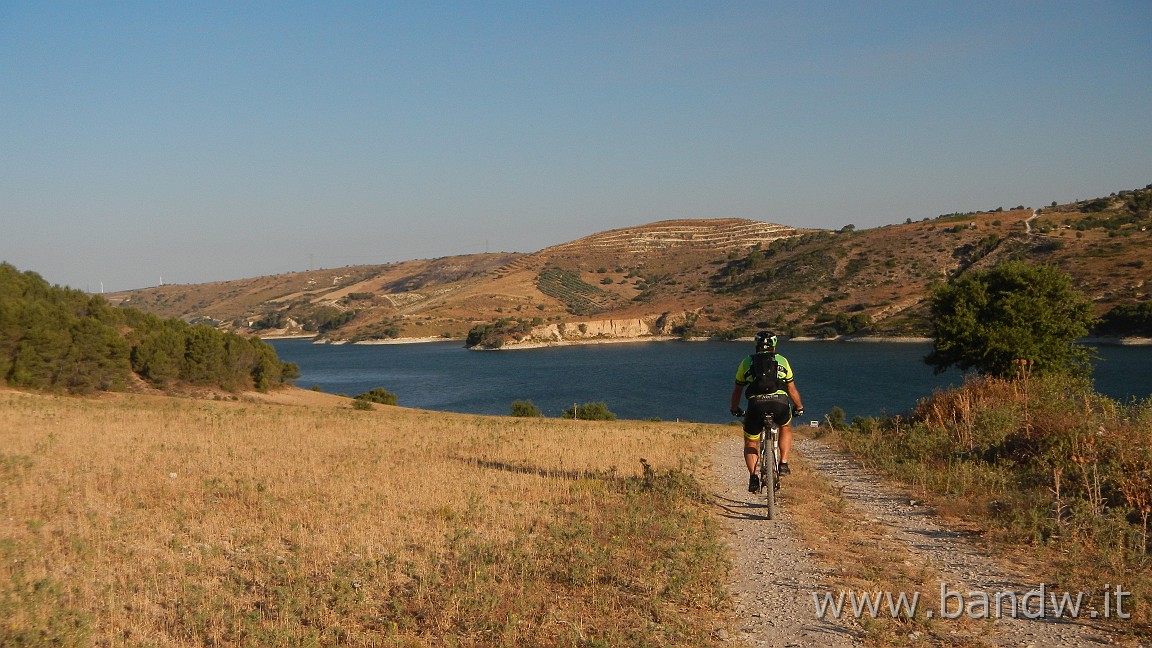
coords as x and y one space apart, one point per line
774 575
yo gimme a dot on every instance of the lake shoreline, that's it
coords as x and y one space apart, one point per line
1100 341
686 381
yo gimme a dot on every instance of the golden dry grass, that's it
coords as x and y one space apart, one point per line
142 520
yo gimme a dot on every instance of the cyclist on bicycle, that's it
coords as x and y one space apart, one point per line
765 377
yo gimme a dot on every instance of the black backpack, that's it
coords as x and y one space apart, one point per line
765 374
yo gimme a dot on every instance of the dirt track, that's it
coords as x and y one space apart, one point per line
774 575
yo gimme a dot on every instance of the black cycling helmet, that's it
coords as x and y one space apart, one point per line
765 341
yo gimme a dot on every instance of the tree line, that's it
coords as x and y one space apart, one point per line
61 339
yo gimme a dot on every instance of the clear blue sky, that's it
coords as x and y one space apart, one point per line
200 141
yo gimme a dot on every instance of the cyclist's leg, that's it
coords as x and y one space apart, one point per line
785 441
751 453
751 437
753 423
782 414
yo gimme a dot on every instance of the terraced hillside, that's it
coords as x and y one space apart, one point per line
720 277
719 235
580 298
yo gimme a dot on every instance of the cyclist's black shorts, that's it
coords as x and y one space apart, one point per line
777 405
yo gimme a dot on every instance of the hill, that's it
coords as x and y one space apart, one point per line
708 277
59 339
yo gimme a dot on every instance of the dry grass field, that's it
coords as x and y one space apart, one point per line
145 520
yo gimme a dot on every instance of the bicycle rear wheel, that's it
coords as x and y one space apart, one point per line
768 473
770 486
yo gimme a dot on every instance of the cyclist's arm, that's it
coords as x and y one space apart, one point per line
737 390
794 394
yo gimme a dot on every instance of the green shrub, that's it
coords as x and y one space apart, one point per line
835 417
525 408
592 411
378 395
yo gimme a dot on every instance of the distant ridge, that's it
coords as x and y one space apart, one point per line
718 277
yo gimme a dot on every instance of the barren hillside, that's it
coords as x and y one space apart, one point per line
687 277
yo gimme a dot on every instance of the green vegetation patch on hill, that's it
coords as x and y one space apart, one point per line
497 334
565 285
60 339
1127 320
785 265
310 317
1119 214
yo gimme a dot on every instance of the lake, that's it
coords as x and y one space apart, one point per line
640 380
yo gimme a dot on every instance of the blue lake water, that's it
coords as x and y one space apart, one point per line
665 380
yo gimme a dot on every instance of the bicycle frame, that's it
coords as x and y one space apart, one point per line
768 462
